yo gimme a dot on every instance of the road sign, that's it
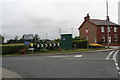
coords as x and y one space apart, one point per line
54 44
31 44
26 42
87 30
50 45
46 45
58 44
41 45
38 45
31 49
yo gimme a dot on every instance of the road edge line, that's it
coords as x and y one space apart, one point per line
108 56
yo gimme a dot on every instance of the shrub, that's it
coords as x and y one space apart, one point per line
95 45
11 49
80 44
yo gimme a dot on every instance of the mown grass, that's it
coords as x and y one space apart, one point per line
65 51
20 44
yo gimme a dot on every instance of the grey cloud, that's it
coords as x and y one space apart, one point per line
42 18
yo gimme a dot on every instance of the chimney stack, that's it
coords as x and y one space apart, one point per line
107 19
87 17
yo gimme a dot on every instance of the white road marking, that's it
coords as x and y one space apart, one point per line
115 61
116 64
114 56
118 68
110 54
119 73
25 58
59 56
88 58
78 56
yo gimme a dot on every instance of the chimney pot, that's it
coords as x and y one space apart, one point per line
87 17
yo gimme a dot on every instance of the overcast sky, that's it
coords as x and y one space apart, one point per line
47 16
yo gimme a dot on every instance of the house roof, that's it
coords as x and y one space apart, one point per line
102 22
28 36
99 22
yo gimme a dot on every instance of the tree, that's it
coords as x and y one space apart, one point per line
16 38
1 39
57 40
36 38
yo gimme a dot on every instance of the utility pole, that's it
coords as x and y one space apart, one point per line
60 32
72 31
46 36
107 24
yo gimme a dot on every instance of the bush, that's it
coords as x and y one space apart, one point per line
80 44
95 45
11 49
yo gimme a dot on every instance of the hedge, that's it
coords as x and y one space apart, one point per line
80 44
11 49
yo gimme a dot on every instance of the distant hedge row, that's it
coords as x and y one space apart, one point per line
11 49
80 44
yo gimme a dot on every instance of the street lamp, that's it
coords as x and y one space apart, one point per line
107 25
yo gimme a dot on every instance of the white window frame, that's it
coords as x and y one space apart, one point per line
110 39
115 29
109 29
102 29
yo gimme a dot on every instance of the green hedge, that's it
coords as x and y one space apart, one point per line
11 49
80 44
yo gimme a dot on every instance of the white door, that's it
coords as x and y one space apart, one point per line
109 39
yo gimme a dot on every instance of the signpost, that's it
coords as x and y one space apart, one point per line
54 44
42 45
26 42
50 45
87 31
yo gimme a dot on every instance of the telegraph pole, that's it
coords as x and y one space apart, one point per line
60 32
107 24
46 36
72 31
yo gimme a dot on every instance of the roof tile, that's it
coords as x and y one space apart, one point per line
102 22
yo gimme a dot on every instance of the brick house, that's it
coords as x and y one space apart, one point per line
95 31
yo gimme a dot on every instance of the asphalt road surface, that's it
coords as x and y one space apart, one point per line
84 65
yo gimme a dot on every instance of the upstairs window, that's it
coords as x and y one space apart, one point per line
115 38
108 29
102 29
115 29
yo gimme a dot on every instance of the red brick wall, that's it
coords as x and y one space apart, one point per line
112 33
95 32
99 34
118 32
92 32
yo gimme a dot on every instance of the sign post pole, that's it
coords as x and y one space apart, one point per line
87 43
87 31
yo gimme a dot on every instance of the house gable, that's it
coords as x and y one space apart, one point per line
92 30
84 23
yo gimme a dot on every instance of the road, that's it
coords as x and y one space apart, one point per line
84 65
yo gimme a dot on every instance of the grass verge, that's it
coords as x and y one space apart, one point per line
64 51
